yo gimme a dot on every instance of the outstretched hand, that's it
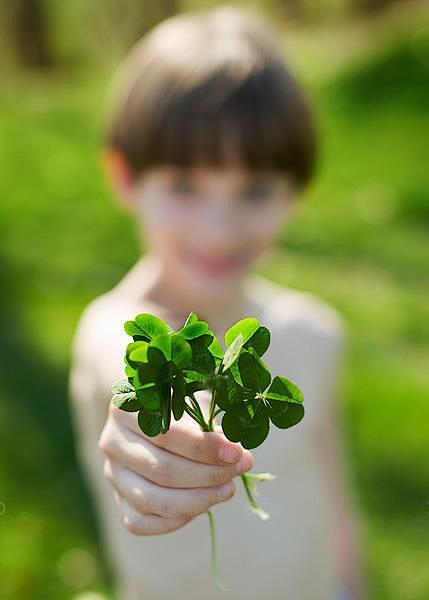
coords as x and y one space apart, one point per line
163 482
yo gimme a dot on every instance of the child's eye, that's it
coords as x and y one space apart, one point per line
258 192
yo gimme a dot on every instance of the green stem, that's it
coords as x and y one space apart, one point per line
248 485
212 409
215 574
199 412
191 412
248 482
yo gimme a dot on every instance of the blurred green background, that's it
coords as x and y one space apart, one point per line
361 243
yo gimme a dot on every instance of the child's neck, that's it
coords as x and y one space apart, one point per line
161 289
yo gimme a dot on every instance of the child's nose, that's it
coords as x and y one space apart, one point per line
220 235
220 226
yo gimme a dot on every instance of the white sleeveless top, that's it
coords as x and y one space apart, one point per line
286 557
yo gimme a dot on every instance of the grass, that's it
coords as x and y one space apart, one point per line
360 242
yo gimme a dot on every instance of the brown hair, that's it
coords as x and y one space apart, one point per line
210 88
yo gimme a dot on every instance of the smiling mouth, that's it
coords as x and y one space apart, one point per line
218 266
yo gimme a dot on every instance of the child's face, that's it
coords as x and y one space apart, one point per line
209 226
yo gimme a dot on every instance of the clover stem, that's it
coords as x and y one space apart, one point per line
219 410
191 412
199 412
248 486
215 574
206 427
199 419
212 409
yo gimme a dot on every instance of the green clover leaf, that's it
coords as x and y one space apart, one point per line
253 372
254 335
124 396
145 327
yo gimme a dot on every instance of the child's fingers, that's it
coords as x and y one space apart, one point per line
205 447
163 467
149 498
186 439
139 524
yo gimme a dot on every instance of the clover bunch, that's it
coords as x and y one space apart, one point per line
165 369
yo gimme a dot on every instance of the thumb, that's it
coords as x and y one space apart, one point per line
218 429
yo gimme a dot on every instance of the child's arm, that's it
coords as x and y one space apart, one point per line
345 537
87 406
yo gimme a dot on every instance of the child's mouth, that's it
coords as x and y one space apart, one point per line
216 266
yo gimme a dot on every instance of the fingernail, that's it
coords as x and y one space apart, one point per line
229 454
245 463
225 490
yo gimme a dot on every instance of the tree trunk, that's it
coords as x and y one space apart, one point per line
30 32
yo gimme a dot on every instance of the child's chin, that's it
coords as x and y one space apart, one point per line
214 286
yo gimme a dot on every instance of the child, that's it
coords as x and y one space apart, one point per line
209 143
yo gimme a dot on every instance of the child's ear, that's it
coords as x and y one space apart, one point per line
120 176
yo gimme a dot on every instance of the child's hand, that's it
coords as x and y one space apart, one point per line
162 483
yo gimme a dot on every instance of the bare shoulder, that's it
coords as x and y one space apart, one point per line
99 321
296 311
100 340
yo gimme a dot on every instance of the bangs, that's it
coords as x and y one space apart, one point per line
258 125
217 114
